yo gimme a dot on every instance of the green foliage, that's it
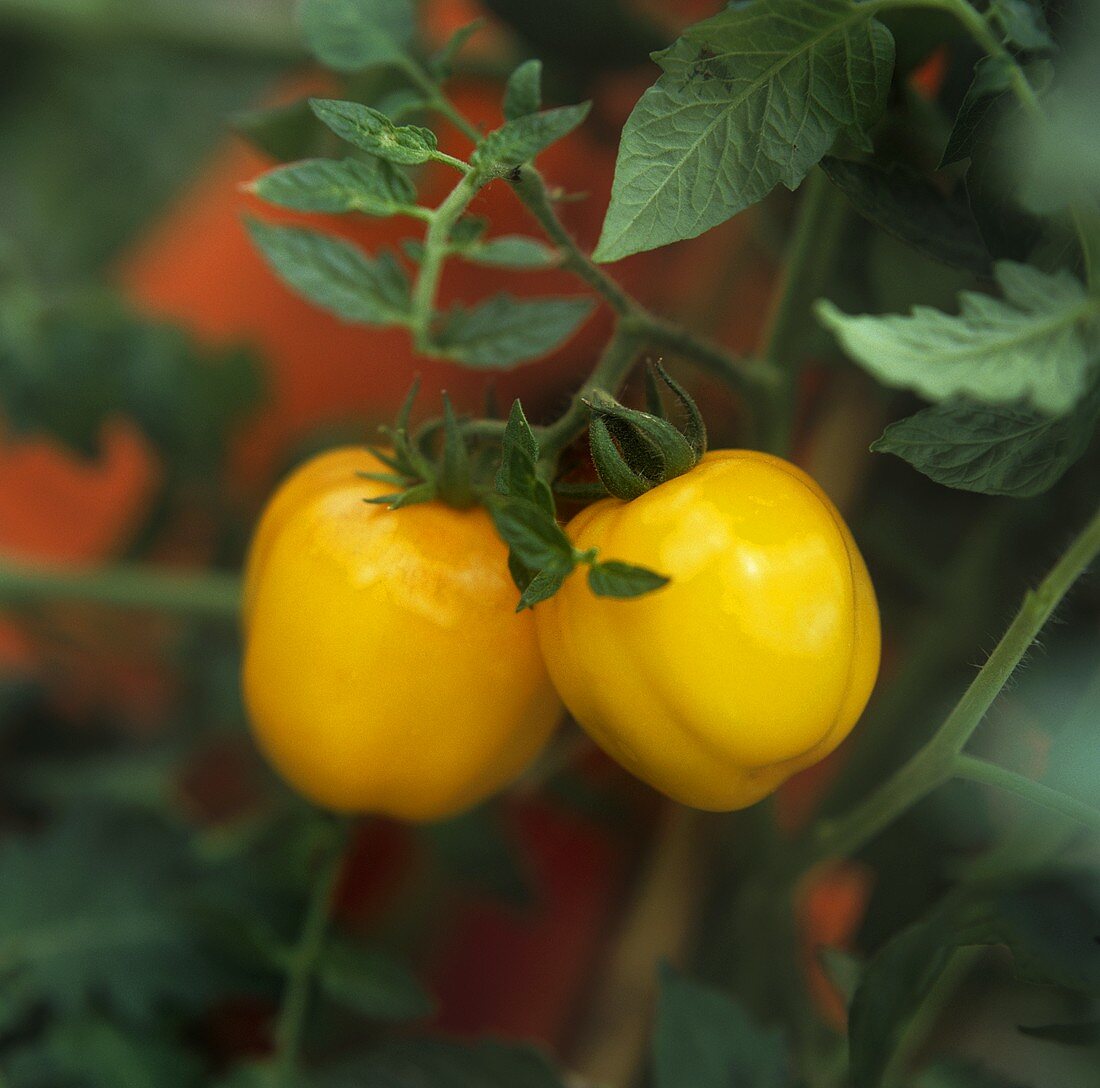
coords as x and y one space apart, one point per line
519 140
96 911
1023 23
704 1039
373 132
371 982
372 187
903 203
617 579
349 35
503 331
992 450
749 98
1038 343
523 92
335 274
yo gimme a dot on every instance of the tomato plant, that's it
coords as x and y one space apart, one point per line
601 757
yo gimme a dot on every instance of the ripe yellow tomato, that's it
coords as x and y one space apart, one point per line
757 658
385 667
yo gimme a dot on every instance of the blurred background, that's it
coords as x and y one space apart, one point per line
156 381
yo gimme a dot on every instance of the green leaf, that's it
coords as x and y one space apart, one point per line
533 535
512 251
422 1062
371 186
1023 23
960 1075
893 987
371 981
992 450
749 98
100 1055
95 916
903 203
283 133
704 1039
615 579
992 79
503 331
1037 344
843 970
375 133
523 92
520 140
335 274
540 588
348 35
442 64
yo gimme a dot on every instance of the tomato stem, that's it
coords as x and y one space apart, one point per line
939 760
290 1023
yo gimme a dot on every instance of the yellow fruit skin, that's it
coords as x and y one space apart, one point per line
753 663
385 667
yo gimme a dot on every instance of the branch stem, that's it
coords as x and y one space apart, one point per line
937 761
290 1023
206 595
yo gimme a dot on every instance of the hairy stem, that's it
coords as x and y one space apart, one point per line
937 761
205 595
435 257
290 1023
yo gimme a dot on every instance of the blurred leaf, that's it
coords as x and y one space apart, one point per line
1037 343
843 970
512 251
704 1039
992 450
348 35
1084 1033
912 209
419 1063
523 92
749 98
371 981
95 1053
283 133
442 64
1023 23
520 140
95 910
991 82
960 1075
371 186
375 133
616 579
503 331
335 274
67 366
894 986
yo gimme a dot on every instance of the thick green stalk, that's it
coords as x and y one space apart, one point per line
203 595
302 965
937 761
436 241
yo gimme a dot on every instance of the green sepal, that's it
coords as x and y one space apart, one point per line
694 430
423 492
588 491
615 474
534 536
454 482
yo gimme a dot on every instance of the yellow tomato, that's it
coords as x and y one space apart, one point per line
385 667
752 663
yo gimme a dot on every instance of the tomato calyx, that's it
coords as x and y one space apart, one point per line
634 451
434 463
